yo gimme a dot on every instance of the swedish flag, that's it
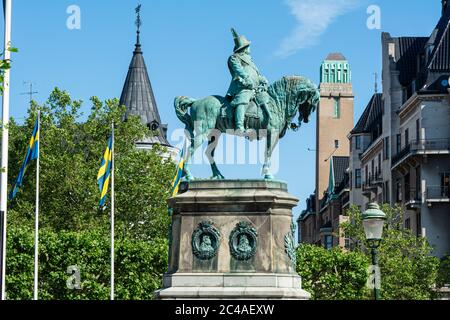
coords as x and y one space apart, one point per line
105 172
179 174
32 154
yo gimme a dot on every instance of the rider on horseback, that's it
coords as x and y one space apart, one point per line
247 83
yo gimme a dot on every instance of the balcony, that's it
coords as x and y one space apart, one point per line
437 194
373 181
428 146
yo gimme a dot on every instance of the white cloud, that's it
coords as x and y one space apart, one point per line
313 18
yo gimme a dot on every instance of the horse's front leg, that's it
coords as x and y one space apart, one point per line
271 143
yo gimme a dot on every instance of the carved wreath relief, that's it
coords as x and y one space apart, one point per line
243 241
289 246
205 240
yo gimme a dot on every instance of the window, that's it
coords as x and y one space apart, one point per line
386 148
399 191
337 108
358 142
357 178
418 130
372 172
347 244
399 143
418 184
328 242
379 164
406 137
366 176
419 224
387 195
407 180
445 184
408 224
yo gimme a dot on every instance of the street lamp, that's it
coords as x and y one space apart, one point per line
373 221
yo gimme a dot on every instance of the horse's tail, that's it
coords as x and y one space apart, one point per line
182 105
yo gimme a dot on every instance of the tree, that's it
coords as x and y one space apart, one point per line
408 271
70 155
332 274
139 265
74 231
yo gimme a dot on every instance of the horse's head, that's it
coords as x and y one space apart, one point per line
295 94
309 100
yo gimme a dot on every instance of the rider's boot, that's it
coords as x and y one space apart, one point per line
239 114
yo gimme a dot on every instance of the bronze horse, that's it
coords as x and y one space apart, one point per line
288 96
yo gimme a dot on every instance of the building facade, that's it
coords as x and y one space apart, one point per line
320 220
400 147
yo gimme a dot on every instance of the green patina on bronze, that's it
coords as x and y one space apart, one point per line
289 246
243 241
250 108
205 241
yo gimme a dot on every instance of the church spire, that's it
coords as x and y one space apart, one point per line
137 94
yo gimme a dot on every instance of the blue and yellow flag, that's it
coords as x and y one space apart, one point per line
179 174
32 154
105 172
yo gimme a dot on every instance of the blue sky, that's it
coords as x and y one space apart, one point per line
186 45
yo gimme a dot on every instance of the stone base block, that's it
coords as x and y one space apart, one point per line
233 286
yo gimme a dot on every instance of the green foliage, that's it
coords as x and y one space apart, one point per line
408 271
443 278
74 230
5 64
332 274
139 265
70 156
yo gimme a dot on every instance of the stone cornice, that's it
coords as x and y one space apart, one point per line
336 90
372 150
410 105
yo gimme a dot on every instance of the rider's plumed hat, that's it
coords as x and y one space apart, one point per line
240 41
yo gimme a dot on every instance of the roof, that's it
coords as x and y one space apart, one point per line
371 115
406 57
138 98
424 59
310 207
340 166
335 56
440 56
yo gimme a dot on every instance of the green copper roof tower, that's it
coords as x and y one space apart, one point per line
335 69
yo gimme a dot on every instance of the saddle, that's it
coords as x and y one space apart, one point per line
252 110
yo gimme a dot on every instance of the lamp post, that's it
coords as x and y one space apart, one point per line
373 221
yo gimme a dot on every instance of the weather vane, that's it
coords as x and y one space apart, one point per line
138 19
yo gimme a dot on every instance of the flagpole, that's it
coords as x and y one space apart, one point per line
112 213
36 223
5 142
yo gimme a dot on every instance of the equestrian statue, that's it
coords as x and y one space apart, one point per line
251 108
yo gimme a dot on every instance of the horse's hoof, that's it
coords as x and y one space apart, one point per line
217 177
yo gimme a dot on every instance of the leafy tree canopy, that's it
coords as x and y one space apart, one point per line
408 270
70 156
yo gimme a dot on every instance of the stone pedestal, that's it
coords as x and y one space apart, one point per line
232 239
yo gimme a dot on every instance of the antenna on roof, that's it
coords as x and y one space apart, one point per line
30 93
